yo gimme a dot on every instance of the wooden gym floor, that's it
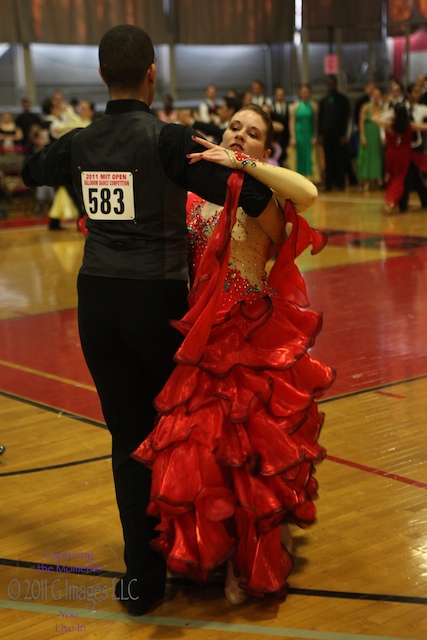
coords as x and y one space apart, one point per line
360 571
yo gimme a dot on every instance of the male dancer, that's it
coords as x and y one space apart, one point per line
131 173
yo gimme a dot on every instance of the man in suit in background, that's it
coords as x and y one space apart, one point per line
280 113
333 123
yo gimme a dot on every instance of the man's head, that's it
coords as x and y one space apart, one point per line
26 104
331 84
369 87
228 108
257 88
413 92
396 89
210 92
280 94
126 54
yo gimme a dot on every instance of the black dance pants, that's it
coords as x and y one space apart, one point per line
129 345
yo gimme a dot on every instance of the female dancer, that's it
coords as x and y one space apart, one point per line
399 154
234 451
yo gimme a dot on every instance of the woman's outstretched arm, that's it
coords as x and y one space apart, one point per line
286 183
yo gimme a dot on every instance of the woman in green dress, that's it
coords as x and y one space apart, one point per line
303 130
370 159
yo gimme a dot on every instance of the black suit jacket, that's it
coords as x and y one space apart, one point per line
333 117
283 118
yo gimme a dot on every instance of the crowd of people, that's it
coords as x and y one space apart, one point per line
325 140
31 131
328 141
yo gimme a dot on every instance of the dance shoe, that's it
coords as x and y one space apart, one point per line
234 594
137 604
390 209
286 538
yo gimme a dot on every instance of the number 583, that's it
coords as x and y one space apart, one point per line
106 201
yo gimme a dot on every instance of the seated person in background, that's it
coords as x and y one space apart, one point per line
86 111
44 195
208 109
168 113
26 120
11 136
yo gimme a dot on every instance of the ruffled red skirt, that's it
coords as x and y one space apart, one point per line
234 452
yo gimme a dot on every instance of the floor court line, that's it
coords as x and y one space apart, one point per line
51 409
164 621
391 395
376 389
50 376
377 472
348 463
331 458
214 583
63 465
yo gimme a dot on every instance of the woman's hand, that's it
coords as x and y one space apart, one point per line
213 153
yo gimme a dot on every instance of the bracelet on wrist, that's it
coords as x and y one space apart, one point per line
244 159
241 158
232 158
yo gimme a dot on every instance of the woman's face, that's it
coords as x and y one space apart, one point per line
247 133
304 93
85 110
395 90
376 96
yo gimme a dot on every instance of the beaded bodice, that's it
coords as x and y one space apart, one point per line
246 277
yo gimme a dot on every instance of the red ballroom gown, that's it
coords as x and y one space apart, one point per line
234 451
398 157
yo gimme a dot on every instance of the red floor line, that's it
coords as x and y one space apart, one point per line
378 472
391 395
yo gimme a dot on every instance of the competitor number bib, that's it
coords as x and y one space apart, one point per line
108 195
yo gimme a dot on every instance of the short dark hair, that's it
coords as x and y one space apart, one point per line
232 103
47 106
399 84
125 54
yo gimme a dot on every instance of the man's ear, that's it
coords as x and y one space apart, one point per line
102 77
152 73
